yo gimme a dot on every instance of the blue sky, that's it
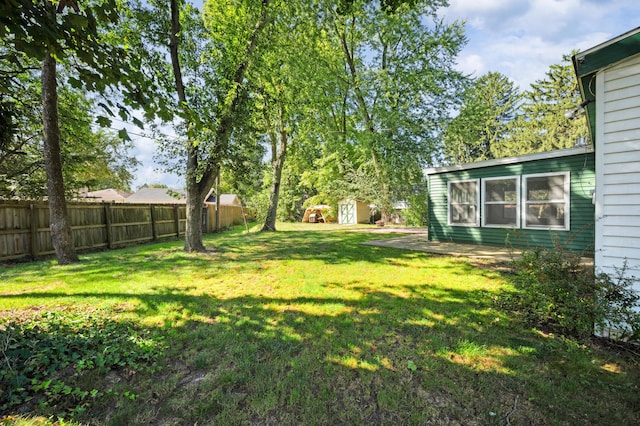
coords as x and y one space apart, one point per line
517 38
521 38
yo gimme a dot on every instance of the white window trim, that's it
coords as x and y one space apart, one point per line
517 202
478 207
567 201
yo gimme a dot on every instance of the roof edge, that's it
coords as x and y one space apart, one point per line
607 54
607 43
510 160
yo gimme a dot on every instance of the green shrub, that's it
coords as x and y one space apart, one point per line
618 306
555 291
417 214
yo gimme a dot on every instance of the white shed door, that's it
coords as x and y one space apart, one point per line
347 213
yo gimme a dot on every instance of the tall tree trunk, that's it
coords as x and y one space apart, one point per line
218 201
198 188
195 198
195 201
278 153
385 208
60 228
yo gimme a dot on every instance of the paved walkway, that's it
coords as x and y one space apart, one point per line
419 242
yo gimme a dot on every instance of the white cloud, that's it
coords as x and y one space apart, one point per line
521 38
472 64
149 174
486 15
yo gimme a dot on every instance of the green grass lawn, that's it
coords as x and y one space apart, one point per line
307 326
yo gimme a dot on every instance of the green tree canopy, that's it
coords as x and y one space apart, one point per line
488 107
543 124
398 64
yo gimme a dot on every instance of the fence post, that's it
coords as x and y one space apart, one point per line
154 231
107 222
34 229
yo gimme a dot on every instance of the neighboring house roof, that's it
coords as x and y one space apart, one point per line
158 196
225 200
587 64
106 195
510 160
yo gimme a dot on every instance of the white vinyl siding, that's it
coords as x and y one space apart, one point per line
501 202
464 199
546 201
618 167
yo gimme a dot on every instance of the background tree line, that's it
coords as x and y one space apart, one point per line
287 103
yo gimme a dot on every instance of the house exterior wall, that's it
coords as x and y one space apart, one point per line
578 238
618 168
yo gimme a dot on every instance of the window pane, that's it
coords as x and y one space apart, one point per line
545 188
546 215
500 190
463 213
463 203
463 192
500 214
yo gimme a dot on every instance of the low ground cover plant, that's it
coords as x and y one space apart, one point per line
50 360
302 326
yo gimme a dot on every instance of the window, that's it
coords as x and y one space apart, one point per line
546 201
463 203
501 207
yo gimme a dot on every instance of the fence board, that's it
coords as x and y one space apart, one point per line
25 233
229 216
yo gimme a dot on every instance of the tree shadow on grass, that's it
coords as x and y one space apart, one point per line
233 253
437 356
402 352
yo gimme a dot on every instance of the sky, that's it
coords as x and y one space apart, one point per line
518 38
521 38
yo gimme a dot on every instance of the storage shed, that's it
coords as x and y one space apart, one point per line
529 200
351 212
609 79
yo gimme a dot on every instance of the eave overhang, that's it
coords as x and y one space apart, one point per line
587 64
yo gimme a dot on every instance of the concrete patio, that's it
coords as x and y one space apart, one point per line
420 242
416 239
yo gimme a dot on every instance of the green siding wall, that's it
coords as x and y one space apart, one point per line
580 236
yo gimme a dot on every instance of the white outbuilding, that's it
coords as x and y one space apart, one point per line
351 212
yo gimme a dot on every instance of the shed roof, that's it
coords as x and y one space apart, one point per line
587 64
225 199
510 160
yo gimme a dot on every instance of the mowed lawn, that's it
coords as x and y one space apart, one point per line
308 326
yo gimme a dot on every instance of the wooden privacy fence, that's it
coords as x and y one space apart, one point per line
229 216
24 226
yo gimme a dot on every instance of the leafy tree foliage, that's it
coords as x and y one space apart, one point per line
489 106
92 158
398 64
366 114
543 124
51 32
199 62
